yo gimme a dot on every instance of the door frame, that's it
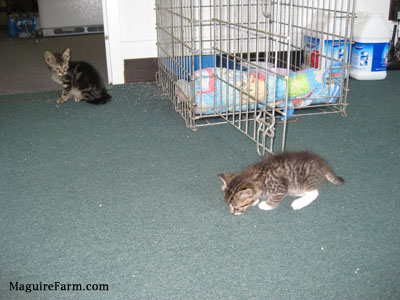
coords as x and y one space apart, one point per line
113 42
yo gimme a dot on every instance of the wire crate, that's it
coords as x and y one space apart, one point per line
255 64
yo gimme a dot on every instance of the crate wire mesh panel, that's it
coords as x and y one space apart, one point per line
255 64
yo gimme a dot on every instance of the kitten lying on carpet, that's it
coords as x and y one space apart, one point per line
79 79
274 178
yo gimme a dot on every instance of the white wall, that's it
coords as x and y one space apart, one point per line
130 28
138 34
381 6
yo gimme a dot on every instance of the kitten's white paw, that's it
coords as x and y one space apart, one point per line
255 202
298 204
264 206
305 200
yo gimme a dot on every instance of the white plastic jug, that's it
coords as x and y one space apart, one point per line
371 37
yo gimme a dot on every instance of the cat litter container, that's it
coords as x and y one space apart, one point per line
371 37
321 46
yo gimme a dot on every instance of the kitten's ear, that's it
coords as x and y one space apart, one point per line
246 193
49 58
226 178
66 54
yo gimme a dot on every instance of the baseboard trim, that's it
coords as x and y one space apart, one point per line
140 69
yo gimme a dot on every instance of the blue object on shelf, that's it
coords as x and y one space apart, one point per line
12 28
23 25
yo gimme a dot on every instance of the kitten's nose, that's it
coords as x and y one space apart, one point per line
235 211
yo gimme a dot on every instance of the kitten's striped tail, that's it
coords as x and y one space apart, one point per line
102 100
333 178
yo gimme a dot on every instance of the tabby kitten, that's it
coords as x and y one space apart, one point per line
274 178
79 79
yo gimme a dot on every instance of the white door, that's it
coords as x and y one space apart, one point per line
113 42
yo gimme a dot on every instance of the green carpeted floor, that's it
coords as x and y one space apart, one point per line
125 195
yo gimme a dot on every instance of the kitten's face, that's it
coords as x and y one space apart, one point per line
58 62
238 193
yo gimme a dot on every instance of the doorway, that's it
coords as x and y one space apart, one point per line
22 66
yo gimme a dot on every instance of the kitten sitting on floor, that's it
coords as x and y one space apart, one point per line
274 178
79 79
